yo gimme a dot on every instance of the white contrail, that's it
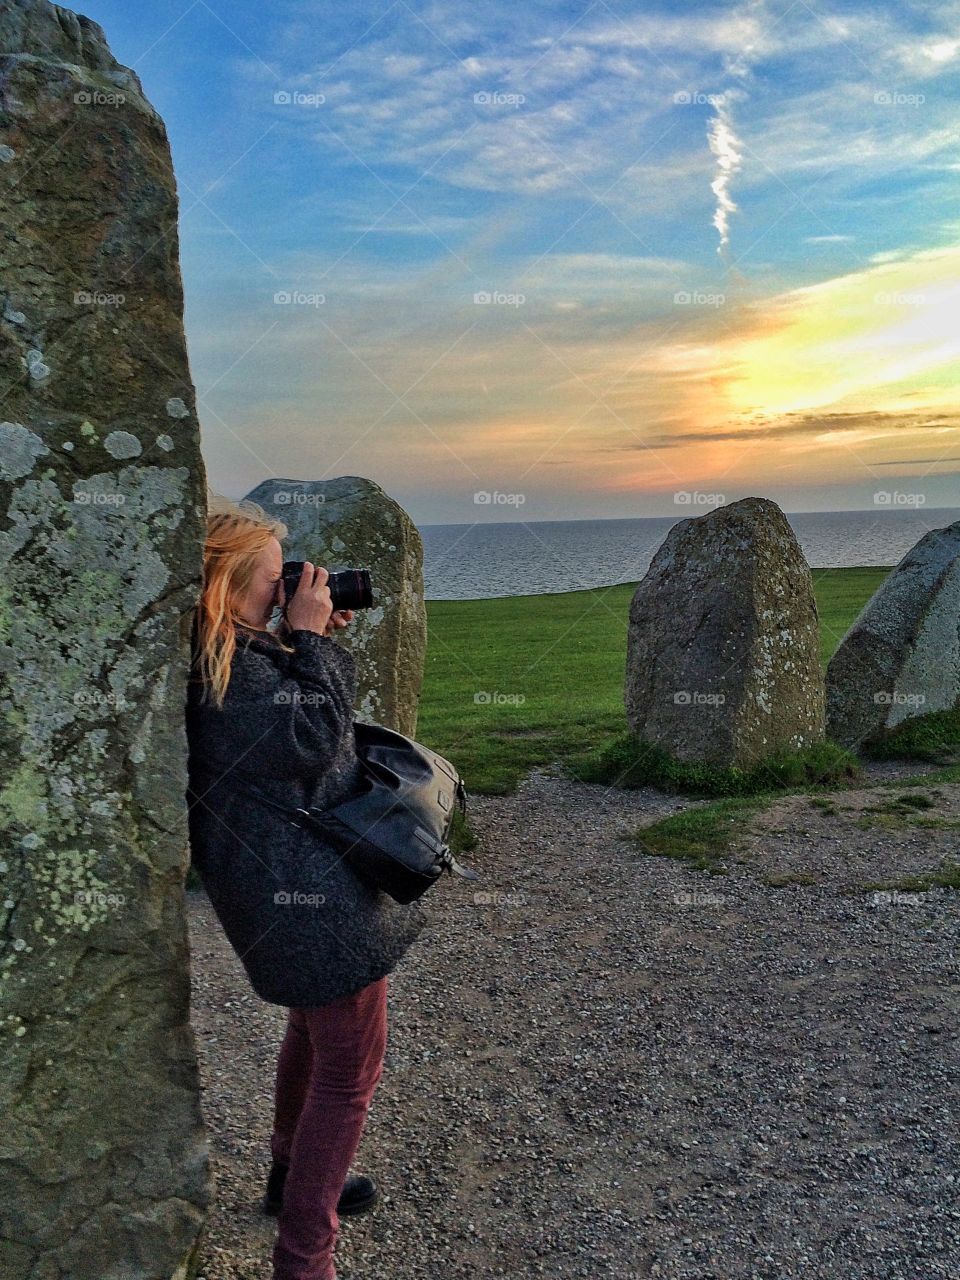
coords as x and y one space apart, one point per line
724 144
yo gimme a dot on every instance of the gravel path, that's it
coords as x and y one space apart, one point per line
613 1065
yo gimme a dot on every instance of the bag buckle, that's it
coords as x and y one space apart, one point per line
449 862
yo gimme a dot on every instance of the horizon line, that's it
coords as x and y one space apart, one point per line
826 511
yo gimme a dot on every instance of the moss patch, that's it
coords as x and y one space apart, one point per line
628 761
934 737
702 836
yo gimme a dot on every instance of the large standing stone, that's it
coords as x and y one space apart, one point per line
723 646
901 657
350 523
103 1151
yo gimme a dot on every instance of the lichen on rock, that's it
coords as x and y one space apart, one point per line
901 657
100 547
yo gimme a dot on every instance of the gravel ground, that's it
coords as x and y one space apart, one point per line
606 1064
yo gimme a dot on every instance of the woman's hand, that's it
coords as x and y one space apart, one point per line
311 607
339 618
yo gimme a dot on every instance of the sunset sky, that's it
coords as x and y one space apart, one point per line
721 247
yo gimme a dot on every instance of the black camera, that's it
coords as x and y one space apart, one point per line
349 589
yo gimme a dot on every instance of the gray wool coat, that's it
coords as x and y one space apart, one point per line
306 928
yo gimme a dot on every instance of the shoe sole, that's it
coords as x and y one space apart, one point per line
359 1206
272 1207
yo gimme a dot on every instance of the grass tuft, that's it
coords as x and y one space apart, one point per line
629 762
946 876
701 836
780 879
898 811
934 737
463 838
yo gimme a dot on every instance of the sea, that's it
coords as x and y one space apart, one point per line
481 561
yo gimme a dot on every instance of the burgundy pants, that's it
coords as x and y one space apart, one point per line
330 1063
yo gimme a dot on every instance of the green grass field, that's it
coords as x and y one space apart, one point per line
527 680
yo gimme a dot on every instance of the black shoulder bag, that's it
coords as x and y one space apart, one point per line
395 832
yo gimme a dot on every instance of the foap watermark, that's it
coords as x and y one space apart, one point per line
97 698
498 299
895 698
494 698
495 98
894 98
297 498
697 898
297 298
698 298
97 98
698 698
895 898
97 898
297 698
494 498
296 898
694 498
693 98
85 298
295 98
884 299
894 498
503 898
94 498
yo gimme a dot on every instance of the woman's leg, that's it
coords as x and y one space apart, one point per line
293 1074
349 1038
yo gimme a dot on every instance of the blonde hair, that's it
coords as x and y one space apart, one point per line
236 534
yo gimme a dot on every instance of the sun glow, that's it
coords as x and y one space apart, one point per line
851 340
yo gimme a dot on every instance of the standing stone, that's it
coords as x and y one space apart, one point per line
901 658
350 523
723 646
103 1153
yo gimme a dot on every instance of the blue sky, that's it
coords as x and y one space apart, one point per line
718 246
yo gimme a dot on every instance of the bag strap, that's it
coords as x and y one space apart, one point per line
288 809
443 851
233 774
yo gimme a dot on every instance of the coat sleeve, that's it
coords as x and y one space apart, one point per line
282 725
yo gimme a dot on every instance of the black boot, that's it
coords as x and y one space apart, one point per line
358 1196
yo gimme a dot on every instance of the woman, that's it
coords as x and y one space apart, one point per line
276 707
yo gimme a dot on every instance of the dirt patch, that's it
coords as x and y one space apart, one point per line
855 838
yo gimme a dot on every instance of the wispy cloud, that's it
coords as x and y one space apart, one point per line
878 424
724 145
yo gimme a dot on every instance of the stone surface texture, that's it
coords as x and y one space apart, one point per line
901 657
104 1157
723 643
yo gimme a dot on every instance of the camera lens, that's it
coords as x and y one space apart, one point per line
351 589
